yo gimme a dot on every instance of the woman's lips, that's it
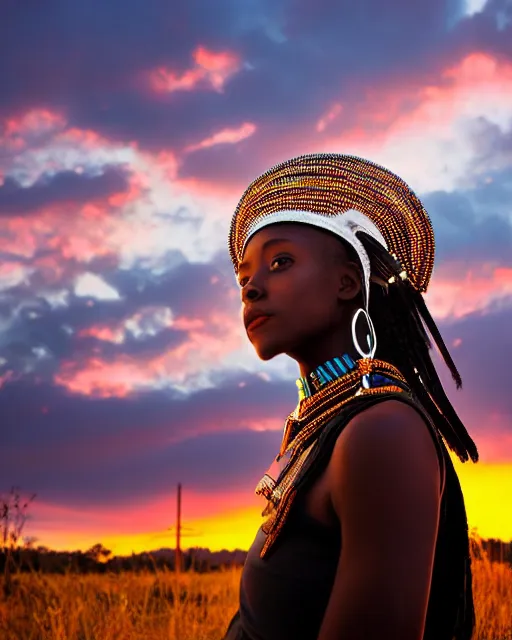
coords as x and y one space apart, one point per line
259 321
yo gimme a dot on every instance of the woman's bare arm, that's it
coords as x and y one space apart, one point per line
384 480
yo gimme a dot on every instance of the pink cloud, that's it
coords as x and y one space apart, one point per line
13 273
394 120
104 379
34 121
477 79
225 136
204 351
17 131
268 424
147 321
80 237
106 228
21 235
7 377
456 296
76 231
166 162
329 117
496 442
103 333
155 509
210 68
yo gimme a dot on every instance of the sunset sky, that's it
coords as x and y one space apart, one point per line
128 131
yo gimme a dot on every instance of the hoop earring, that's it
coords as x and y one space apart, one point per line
371 338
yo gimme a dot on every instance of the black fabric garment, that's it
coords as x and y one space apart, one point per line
318 548
285 594
235 631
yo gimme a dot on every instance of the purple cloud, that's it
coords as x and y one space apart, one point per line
64 187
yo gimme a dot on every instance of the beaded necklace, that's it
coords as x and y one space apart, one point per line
302 427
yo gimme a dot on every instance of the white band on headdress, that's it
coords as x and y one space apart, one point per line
345 225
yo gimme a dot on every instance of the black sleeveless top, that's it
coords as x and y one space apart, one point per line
285 594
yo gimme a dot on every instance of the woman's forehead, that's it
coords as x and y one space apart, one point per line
289 233
299 233
303 237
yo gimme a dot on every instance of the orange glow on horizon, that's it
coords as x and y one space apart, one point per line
486 488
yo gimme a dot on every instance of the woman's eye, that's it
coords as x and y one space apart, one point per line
279 258
243 281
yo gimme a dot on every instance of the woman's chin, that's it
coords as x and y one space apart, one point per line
266 350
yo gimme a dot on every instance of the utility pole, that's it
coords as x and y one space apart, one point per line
178 531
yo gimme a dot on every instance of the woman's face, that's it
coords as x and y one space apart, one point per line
300 276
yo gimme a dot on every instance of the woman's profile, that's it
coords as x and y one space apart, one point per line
366 534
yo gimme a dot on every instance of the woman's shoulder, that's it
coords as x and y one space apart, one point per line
389 437
392 423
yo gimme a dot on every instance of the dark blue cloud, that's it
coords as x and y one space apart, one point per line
487 31
482 359
472 225
87 59
64 187
484 403
187 289
110 450
228 163
146 346
488 141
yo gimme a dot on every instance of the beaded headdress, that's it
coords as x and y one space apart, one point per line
346 195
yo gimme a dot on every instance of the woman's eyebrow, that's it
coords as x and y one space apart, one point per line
264 246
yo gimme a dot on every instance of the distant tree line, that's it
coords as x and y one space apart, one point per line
98 559
497 550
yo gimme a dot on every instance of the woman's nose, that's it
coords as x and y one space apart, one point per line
250 292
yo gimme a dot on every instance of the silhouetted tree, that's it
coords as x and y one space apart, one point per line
13 515
98 553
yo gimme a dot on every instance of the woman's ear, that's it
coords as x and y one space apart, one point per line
350 282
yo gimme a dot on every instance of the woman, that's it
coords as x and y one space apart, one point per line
366 534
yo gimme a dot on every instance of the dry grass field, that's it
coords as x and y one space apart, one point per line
192 606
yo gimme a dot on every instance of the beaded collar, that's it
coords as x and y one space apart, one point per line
326 372
331 381
331 370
